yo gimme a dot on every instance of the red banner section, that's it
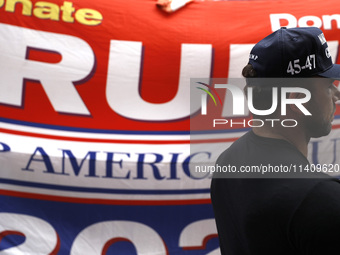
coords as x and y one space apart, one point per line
124 65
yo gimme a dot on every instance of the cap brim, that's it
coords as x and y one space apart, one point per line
333 72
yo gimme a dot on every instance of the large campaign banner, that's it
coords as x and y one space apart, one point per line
95 113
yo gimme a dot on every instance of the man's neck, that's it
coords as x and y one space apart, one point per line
293 135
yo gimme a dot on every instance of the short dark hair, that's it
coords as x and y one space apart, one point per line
262 95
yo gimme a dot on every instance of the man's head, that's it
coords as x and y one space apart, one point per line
300 53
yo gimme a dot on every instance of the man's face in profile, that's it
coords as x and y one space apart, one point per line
322 106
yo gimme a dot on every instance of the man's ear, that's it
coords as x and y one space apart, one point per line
293 107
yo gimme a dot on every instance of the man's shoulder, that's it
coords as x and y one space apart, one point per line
237 147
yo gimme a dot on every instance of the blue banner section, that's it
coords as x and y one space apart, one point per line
171 223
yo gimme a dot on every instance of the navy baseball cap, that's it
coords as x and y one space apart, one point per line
294 52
